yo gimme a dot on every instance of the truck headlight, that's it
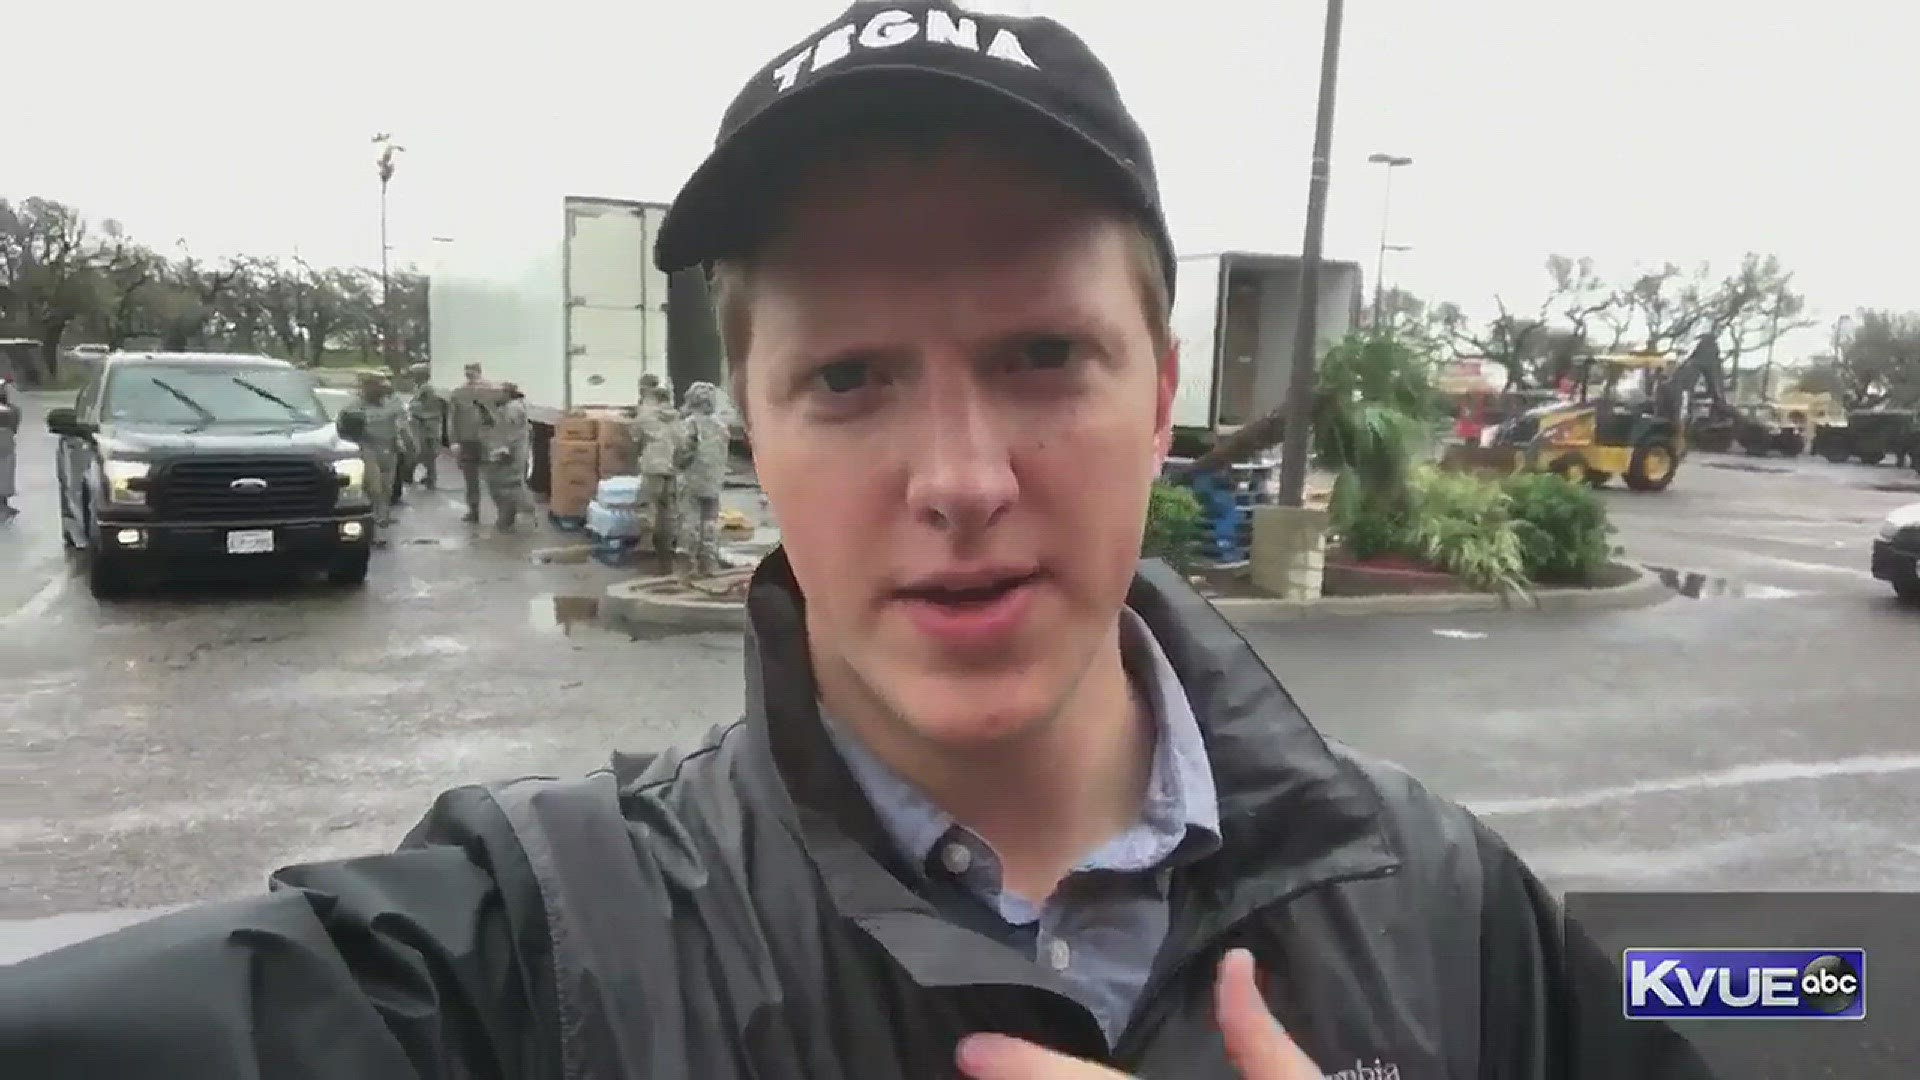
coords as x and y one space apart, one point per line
126 481
353 479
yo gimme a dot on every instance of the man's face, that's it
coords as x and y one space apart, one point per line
473 374
957 412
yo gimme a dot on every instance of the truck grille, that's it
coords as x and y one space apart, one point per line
203 489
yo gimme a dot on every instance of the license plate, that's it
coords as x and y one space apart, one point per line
250 542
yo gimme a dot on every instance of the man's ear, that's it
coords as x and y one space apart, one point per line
1166 386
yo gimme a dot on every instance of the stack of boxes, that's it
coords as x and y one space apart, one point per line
588 446
575 458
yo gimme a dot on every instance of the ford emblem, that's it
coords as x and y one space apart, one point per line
249 484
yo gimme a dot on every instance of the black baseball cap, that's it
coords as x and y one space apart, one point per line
883 63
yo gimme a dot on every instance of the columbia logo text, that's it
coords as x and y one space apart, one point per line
1362 1070
1746 984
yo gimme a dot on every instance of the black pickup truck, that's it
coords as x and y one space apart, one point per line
176 460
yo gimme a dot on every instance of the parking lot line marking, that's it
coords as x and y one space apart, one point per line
1769 772
40 602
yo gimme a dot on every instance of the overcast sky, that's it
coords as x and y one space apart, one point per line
1634 131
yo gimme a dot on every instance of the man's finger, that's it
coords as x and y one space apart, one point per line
1255 1041
1002 1057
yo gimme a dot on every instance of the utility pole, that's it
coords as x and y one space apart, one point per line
384 166
1299 404
1392 162
1288 423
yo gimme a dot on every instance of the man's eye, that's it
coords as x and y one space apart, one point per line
1046 352
845 376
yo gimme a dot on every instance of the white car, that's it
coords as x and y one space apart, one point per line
1896 552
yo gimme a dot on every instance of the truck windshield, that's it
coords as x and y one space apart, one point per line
210 396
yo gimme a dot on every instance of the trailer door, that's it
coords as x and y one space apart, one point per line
614 310
1196 321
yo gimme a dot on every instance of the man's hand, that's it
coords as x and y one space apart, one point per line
1259 1049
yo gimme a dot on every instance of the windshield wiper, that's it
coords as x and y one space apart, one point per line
275 398
198 409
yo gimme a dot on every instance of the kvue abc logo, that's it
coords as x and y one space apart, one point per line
1725 984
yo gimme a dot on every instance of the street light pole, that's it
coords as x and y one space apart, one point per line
384 166
1296 438
1392 162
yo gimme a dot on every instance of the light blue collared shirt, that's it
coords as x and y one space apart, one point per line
1107 920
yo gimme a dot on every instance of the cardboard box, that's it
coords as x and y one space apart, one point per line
580 455
577 427
571 495
616 431
618 459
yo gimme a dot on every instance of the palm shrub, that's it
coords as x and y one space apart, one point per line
1374 407
1562 527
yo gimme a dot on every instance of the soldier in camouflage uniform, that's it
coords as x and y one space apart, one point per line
428 413
508 445
471 413
702 457
656 433
383 437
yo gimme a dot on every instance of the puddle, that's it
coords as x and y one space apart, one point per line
1899 487
1695 585
1747 466
561 614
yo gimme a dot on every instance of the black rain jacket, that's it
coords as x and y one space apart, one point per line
732 911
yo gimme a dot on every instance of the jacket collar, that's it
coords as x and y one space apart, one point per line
1293 814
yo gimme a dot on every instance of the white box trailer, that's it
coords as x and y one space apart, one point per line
561 297
559 294
1236 314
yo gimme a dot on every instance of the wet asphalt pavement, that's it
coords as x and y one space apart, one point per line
182 744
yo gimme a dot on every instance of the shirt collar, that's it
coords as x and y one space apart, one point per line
1181 805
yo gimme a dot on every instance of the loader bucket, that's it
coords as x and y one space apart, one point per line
1482 460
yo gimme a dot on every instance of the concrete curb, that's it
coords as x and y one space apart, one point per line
1644 590
627 604
572 553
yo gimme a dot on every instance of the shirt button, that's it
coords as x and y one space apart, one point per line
1059 955
956 858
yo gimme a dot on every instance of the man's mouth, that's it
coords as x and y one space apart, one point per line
969 592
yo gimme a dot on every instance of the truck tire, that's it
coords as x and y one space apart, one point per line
1653 466
1872 453
106 575
1836 453
1793 446
1908 589
350 572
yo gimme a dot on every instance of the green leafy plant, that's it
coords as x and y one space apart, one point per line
1371 534
1374 407
1562 527
1462 524
1173 526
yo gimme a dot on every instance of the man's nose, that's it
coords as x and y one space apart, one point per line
962 479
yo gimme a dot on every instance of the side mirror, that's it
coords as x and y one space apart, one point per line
66 423
351 424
